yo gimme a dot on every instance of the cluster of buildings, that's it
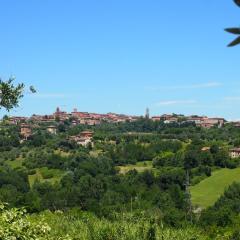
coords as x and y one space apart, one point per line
84 138
27 130
201 121
235 152
86 118
50 123
91 119
75 118
96 118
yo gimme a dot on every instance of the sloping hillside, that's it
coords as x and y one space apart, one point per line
210 189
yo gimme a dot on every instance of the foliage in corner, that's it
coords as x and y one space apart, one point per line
11 94
15 225
234 31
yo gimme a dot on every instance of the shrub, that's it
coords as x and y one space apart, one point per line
32 172
14 224
46 173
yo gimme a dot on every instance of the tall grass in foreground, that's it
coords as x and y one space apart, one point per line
87 227
16 225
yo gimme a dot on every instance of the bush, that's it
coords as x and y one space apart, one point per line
197 179
46 174
14 224
32 172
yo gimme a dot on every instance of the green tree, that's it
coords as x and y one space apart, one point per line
163 159
206 158
10 94
221 158
191 158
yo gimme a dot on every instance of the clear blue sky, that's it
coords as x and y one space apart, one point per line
122 55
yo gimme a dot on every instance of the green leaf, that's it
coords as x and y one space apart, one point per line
32 89
235 42
233 30
237 2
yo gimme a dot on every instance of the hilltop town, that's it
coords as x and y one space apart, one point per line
74 117
51 123
91 119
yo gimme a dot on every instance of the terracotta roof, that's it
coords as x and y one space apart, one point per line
235 150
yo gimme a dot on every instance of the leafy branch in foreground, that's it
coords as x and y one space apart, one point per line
237 2
234 31
14 224
11 94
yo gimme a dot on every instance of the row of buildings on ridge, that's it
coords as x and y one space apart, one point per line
50 122
91 119
86 118
201 121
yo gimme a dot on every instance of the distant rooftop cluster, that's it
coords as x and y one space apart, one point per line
201 121
91 119
76 118
51 122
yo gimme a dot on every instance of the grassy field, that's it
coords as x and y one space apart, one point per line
139 166
95 153
62 153
15 163
45 175
42 174
207 192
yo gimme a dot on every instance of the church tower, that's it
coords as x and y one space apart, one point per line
147 113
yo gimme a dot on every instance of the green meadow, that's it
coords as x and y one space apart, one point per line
17 163
45 175
207 192
139 166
